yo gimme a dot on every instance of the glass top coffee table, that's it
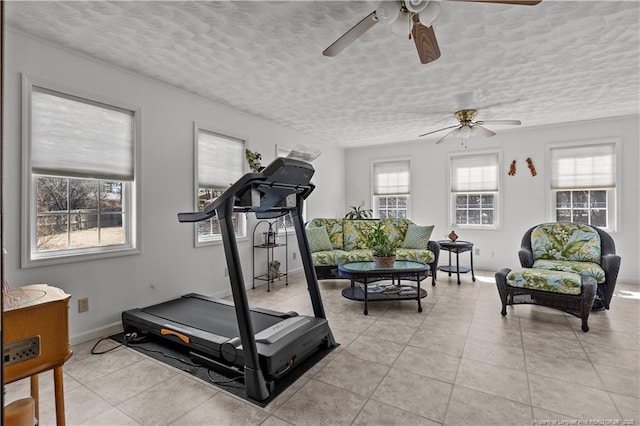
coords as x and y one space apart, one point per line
368 275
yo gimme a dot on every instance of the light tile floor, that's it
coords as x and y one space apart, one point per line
459 362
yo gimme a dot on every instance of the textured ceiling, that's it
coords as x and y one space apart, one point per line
556 62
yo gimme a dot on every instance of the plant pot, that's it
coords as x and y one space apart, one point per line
384 262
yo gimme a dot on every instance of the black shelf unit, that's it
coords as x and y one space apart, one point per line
273 228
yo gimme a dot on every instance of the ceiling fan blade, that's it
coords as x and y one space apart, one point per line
483 131
352 35
425 39
512 122
439 130
452 134
520 2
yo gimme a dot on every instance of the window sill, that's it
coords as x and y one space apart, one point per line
218 241
64 258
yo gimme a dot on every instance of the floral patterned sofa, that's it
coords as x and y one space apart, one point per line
573 247
337 241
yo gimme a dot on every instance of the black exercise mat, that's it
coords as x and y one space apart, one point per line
177 356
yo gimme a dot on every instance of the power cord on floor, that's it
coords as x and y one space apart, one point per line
132 340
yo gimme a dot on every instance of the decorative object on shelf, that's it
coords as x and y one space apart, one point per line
357 212
512 168
269 237
531 166
253 158
384 250
453 236
274 269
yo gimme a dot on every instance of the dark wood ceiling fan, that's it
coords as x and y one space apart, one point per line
413 16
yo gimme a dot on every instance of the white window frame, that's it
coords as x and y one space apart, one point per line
375 197
497 202
216 239
30 257
612 192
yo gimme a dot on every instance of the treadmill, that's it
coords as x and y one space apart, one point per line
261 343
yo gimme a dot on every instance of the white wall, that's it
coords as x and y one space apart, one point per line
168 260
524 198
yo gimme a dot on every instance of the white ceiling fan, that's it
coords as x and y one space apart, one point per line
467 128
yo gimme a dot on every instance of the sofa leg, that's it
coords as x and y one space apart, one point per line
589 289
501 283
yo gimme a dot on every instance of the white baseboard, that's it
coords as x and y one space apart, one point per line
96 333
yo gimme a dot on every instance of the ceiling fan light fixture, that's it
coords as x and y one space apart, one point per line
415 6
402 25
387 12
429 13
465 132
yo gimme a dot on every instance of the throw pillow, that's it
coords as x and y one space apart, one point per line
318 239
417 237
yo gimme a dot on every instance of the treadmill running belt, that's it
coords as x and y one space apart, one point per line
202 314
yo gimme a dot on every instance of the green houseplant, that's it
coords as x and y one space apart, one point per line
384 250
253 159
357 212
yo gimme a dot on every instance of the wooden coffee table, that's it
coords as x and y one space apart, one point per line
367 273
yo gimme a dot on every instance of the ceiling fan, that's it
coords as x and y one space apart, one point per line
468 128
408 17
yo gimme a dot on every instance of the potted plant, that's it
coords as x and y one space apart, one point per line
358 212
384 250
253 159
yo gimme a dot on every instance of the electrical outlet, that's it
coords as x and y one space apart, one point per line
477 252
295 255
83 304
226 272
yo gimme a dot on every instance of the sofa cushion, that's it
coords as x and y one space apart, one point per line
333 227
328 258
356 233
585 269
545 280
318 239
566 241
396 229
360 255
416 255
417 237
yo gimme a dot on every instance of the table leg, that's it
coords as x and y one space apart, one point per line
35 392
449 262
473 276
458 266
418 283
59 395
366 309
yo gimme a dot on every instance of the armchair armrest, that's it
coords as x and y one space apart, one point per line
526 258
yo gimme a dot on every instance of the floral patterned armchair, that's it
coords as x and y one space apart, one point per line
573 247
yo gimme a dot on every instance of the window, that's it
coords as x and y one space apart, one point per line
583 182
219 163
474 190
79 177
391 189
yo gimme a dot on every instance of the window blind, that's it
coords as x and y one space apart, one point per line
220 160
391 178
76 137
588 166
474 173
